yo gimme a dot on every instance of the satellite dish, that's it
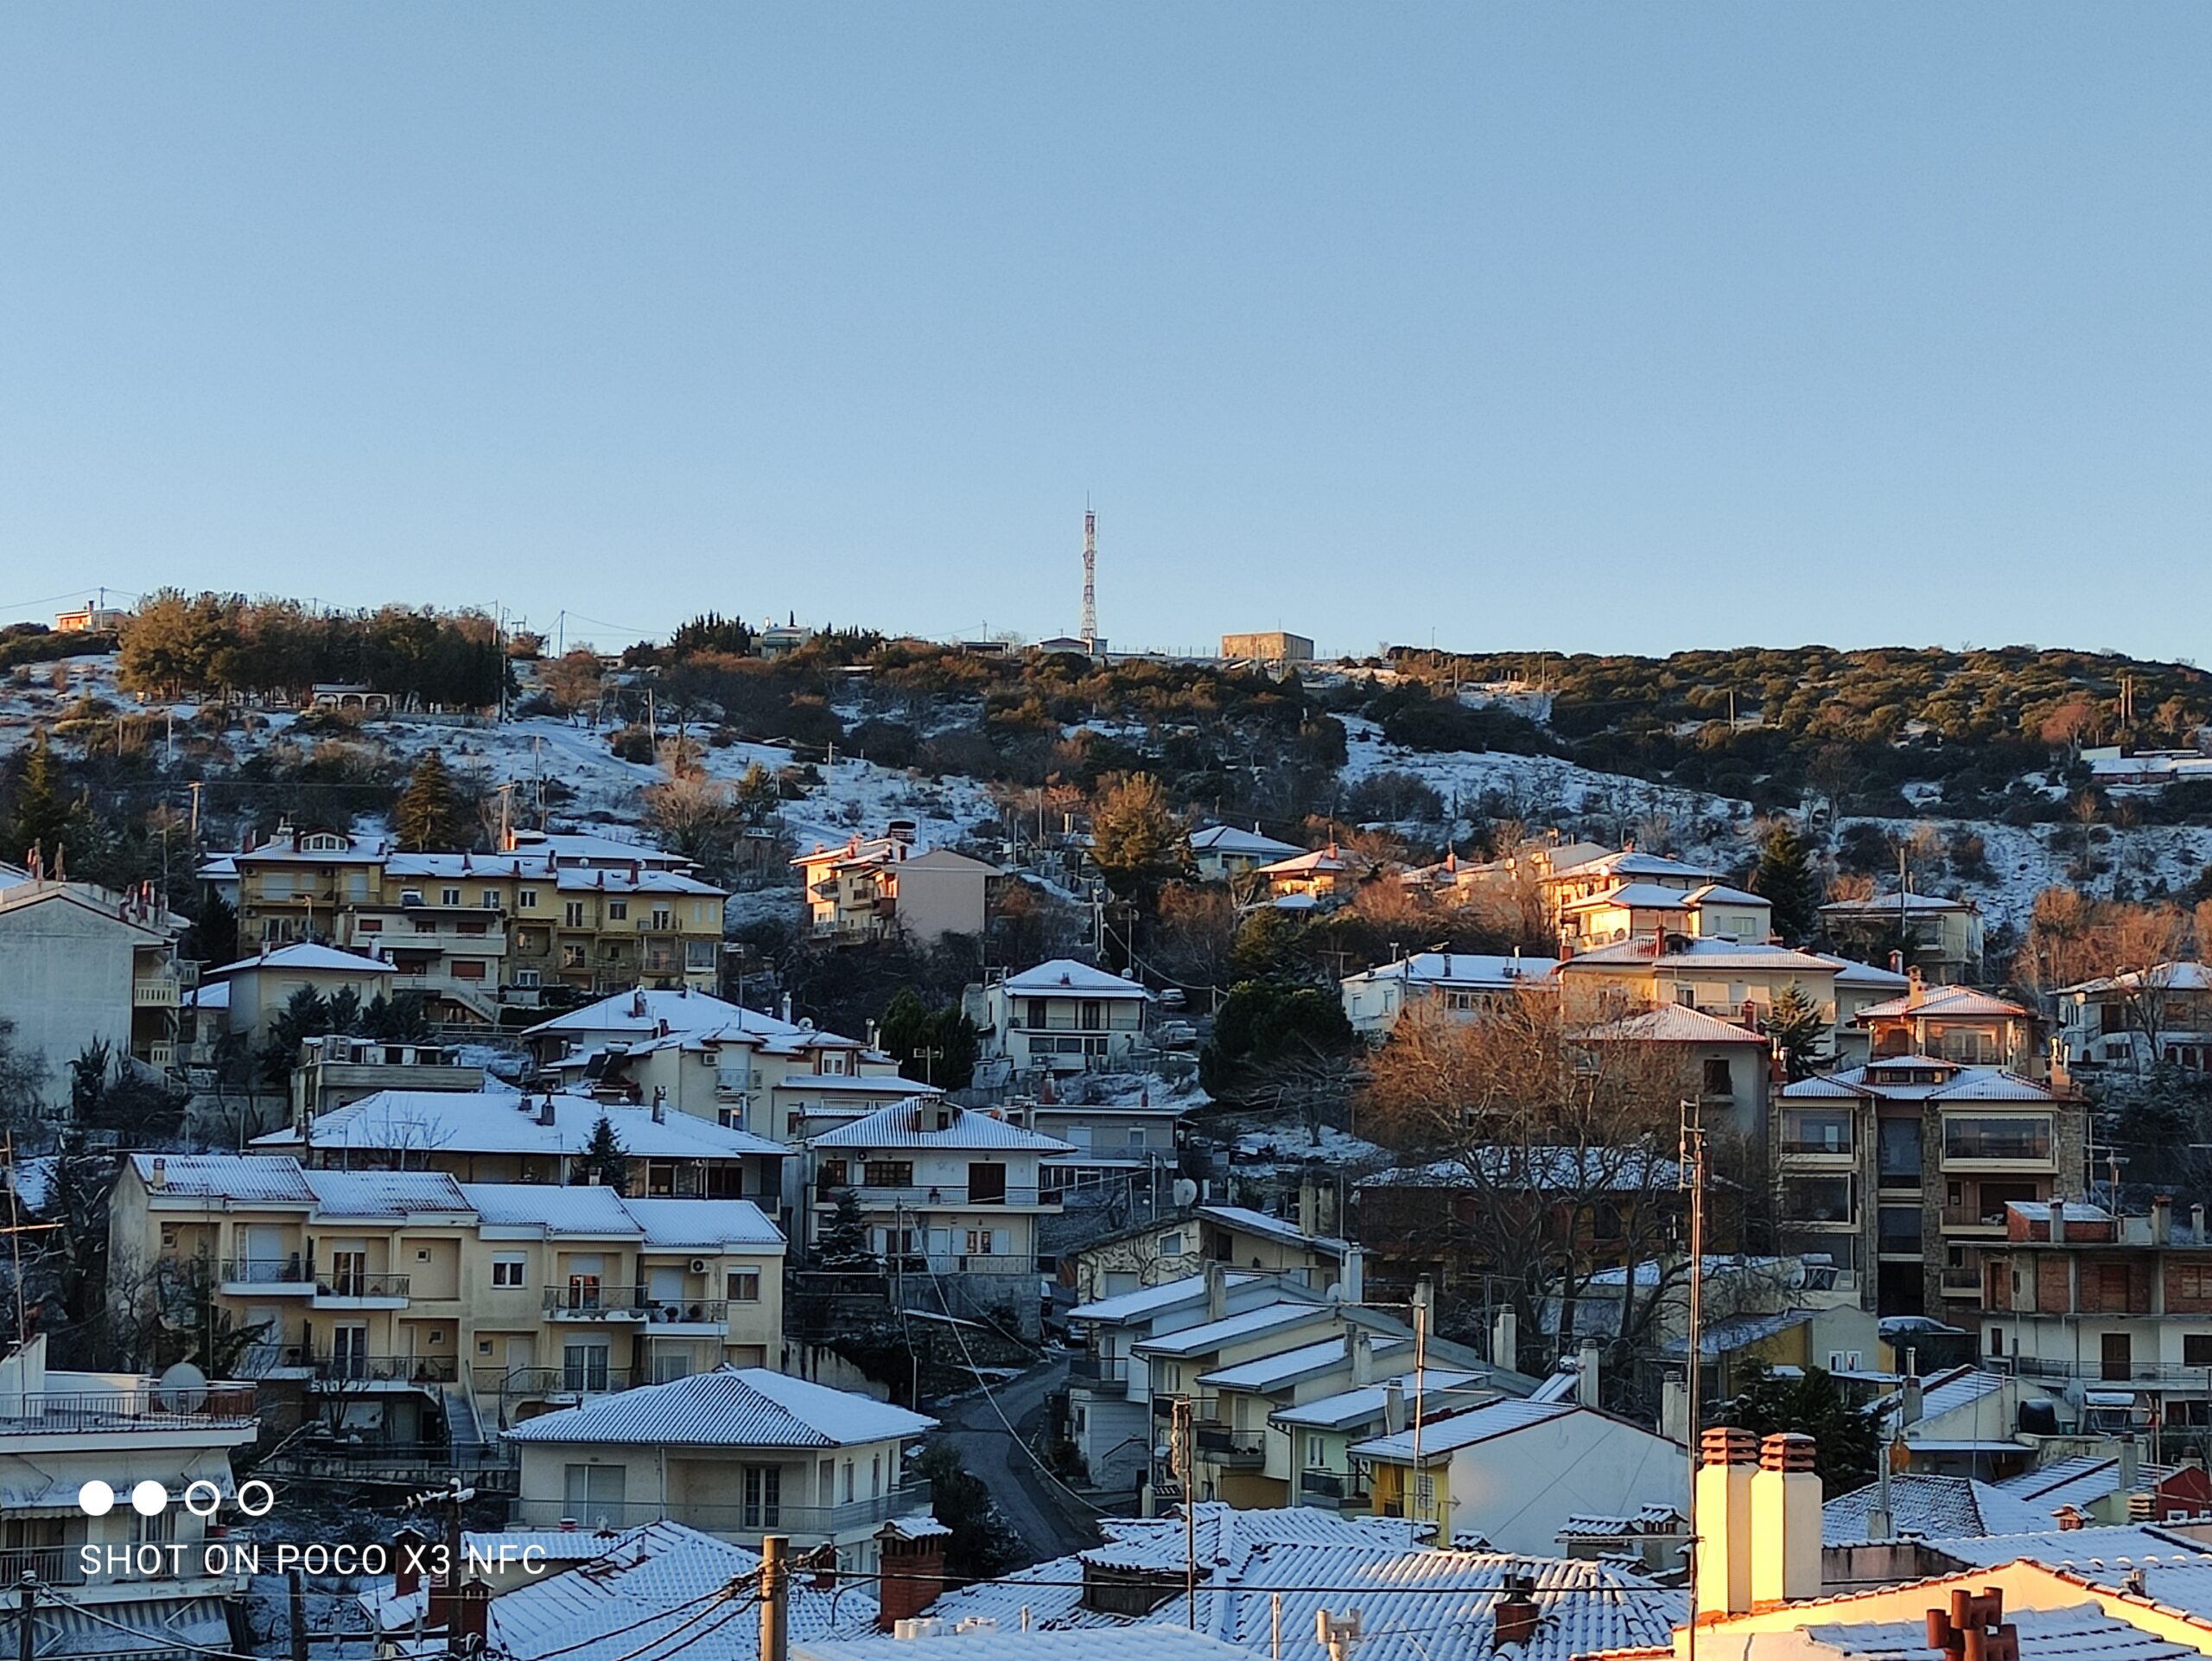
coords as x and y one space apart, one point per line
1186 1190
182 1389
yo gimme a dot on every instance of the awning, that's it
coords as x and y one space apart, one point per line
157 1629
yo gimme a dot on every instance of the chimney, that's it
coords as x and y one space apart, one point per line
788 1008
2162 1219
472 1618
1351 1280
2070 1517
660 1103
2196 1224
2057 1220
1586 1373
1506 1339
2130 1464
1394 1407
545 1109
912 1574
157 1175
1727 1460
637 1004
1217 1292
1361 1353
1785 1522
1515 1613
406 1562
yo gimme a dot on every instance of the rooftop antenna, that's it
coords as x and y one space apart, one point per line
1090 578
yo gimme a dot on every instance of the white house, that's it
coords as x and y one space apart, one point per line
738 1453
80 966
1062 1017
260 986
1221 851
1457 983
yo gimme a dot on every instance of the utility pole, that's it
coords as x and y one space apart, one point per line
775 1591
1186 1464
195 787
1691 1168
1420 1381
26 1618
298 1610
927 1057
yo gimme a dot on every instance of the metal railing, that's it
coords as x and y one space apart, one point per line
737 1517
2132 1372
1224 1445
668 1311
921 1196
294 1271
1328 1488
143 1409
586 1303
514 1384
386 1369
1798 1145
53 1565
343 1284
1097 1371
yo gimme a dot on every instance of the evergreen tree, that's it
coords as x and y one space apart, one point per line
844 1243
1794 1024
43 818
904 1026
952 1035
214 936
1786 880
937 1046
344 1012
429 814
1135 839
304 1016
1849 1438
604 1159
88 1081
981 1544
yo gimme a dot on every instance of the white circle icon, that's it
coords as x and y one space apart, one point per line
150 1499
96 1498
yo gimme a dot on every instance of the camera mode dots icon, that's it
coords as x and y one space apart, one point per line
96 1498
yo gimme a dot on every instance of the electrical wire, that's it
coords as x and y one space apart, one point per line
148 1637
727 1590
678 1632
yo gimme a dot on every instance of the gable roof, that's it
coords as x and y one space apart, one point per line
1364 1403
913 1124
1210 1335
643 1010
304 956
730 1408
1945 1003
1935 1506
1506 1417
1066 977
1675 1023
436 1122
1151 1300
1227 839
1488 970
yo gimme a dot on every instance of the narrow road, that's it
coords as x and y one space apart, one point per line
1047 1522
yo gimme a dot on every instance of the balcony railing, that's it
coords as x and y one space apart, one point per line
295 1271
670 1311
1326 1488
1101 1373
737 1518
920 1198
1840 1147
1962 1280
156 992
53 1565
386 1369
2199 1380
1972 1216
119 1411
344 1285
1222 1445
597 1303
523 1383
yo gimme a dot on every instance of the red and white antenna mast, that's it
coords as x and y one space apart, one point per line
1089 578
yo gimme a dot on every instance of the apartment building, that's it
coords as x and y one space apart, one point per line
1179 1245
336 1070
2132 1021
1955 1022
61 1430
2075 1297
950 1194
417 1309
502 1136
1061 1016
879 888
472 930
1905 1165
1565 882
1320 1432
1456 982
738 1453
80 964
1941 937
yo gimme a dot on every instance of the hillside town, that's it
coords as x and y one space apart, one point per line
1077 1214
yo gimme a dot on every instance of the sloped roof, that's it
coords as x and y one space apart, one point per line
306 957
1227 839
1882 904
1946 1003
1956 1082
1364 1403
220 1176
732 1408
1628 863
1150 1300
1209 1336
2079 1482
1705 951
1936 1506
643 1010
1268 1373
1150 1643
585 1209
2078 1634
1675 1023
913 1124
2087 1551
499 1122
1272 1228
1538 1170
384 1194
1066 977
1441 1437
1487 970
1634 896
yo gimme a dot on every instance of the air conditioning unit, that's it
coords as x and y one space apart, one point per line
699 1265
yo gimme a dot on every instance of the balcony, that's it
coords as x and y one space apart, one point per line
241 1277
359 1291
1800 1147
574 1302
1975 1219
156 992
1959 1282
921 1199
687 1317
736 1081
537 1384
337 1372
120 1411
1329 1492
811 1524
1230 1449
1102 1375
2193 1380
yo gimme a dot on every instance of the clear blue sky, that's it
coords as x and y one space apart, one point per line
1604 328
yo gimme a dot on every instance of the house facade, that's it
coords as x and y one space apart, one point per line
1060 1017
1941 937
1457 982
80 966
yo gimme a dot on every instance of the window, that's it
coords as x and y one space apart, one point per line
875 1476
888 1173
2024 1136
1897 1229
574 916
449 897
764 1496
617 910
849 1481
662 918
1171 1245
593 1493
508 1268
1996 1341
468 969
583 1367
368 925
1317 1452
745 1285
1136 1135
833 1170
1817 1130
978 1241
2196 1349
699 955
525 977
1898 1152
1717 1080
1816 1198
526 899
489 900
2192 1281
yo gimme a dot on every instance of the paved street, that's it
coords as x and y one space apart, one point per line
1048 1521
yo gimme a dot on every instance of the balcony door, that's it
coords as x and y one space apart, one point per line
764 1496
349 1271
584 1274
986 1184
349 1351
583 1367
2117 1356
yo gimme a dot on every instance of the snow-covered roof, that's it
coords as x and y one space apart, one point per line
1209 1336
914 1124
644 1010
1704 951
1472 970
1675 1023
305 957
1931 1506
1945 1003
1634 896
1266 1372
1417 1603
1952 1081
1440 1438
2081 1632
1066 977
2079 1482
648 1587
1539 1169
223 1176
1630 863
1150 1300
599 1212
2181 976
2089 1550
445 1122
1139 1644
384 1194
1885 905
731 1407
1227 839
1720 894
1364 1404
1272 1228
